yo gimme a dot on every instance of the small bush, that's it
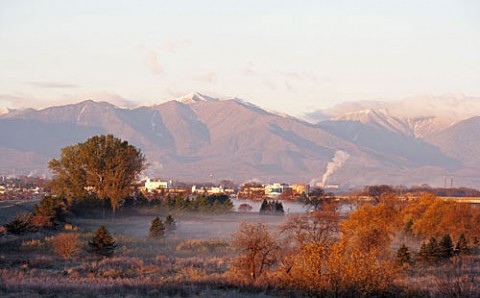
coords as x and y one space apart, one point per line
66 245
22 223
198 245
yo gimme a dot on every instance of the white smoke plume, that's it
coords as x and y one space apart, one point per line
338 160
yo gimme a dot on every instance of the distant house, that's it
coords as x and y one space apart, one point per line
157 184
210 190
277 190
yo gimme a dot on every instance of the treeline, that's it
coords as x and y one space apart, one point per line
375 191
203 204
447 192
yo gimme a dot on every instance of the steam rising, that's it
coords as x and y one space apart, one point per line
336 163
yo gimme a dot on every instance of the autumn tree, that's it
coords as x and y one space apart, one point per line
257 249
103 165
371 228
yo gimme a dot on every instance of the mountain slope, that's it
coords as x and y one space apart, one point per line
197 135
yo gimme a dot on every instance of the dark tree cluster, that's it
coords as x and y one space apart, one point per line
203 204
272 207
159 228
434 251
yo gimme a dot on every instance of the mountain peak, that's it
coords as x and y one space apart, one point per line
364 116
195 97
5 110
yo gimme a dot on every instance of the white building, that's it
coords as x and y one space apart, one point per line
156 184
275 190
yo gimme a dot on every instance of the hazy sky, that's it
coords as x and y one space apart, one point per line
290 56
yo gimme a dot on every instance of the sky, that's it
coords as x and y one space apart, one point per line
289 56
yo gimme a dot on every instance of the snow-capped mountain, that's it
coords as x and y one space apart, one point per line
195 97
197 135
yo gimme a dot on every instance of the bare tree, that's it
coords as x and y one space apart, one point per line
257 249
321 226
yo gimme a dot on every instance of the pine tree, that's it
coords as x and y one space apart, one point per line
265 207
423 253
157 228
403 255
170 223
445 247
407 228
462 246
102 243
432 250
476 246
278 207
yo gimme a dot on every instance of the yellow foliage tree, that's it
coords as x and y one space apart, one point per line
371 228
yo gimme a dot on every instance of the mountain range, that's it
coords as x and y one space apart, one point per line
196 136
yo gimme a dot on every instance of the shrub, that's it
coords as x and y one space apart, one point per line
102 243
198 245
66 245
245 207
20 224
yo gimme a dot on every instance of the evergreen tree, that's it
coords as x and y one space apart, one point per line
102 243
278 207
476 246
407 228
423 253
403 255
462 246
157 228
170 223
446 247
432 250
264 207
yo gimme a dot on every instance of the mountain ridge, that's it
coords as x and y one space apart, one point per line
233 139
